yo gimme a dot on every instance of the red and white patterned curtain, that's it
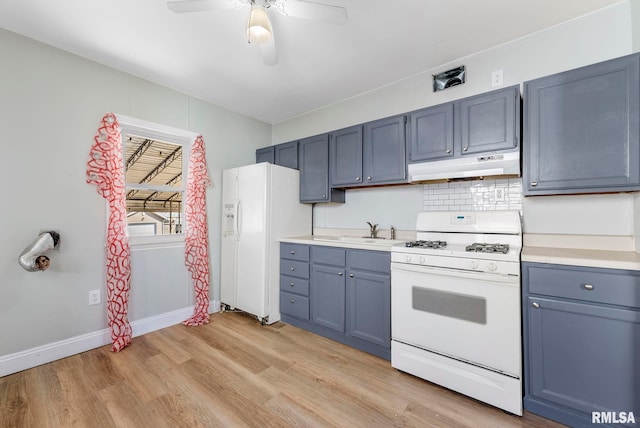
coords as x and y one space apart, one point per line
196 245
105 169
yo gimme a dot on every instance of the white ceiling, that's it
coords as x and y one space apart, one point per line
206 54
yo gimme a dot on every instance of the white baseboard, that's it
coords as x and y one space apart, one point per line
23 360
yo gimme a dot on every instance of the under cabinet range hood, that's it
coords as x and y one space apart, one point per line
467 167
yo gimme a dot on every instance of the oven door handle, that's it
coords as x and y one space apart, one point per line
458 273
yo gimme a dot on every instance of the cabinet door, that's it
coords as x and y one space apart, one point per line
265 154
286 154
384 151
582 129
314 171
345 151
583 356
490 122
369 307
328 297
431 133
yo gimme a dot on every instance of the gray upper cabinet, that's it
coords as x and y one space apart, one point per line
345 151
265 154
581 129
489 122
431 133
286 154
369 154
314 171
384 151
482 123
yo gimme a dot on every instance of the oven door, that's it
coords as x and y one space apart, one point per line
470 316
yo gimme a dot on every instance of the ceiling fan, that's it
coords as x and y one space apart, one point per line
259 28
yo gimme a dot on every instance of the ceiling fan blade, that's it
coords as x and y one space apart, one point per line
186 6
269 54
316 11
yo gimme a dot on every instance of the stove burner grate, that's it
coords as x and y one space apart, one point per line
426 244
488 248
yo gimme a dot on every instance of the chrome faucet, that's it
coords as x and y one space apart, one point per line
393 232
373 230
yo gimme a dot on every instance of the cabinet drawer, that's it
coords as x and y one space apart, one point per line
612 286
294 251
328 255
291 284
294 268
375 261
294 305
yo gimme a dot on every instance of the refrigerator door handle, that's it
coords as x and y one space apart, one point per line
237 224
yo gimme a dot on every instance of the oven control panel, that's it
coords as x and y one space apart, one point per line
458 263
463 219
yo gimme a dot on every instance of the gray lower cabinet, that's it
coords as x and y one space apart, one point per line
581 343
294 280
582 129
314 171
483 123
369 297
349 298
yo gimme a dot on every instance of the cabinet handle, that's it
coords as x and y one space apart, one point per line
292 252
535 305
369 178
357 178
340 273
588 287
292 284
350 275
293 301
464 149
292 269
533 183
448 150
324 196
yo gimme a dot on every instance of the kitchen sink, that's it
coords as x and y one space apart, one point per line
359 240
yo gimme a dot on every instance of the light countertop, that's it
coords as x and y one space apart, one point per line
613 252
379 244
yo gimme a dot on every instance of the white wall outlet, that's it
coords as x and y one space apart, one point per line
499 195
496 78
94 297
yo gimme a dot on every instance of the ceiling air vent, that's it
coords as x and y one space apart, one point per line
447 79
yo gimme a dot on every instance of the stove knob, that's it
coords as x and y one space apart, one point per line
408 259
422 260
493 266
474 265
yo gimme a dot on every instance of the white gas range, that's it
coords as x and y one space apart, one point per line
455 304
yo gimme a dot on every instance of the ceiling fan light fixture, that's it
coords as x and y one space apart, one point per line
259 27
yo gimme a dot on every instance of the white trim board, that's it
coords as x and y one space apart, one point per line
23 360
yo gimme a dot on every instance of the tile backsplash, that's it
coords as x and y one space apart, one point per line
475 195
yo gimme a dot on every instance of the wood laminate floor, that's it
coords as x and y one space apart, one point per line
235 372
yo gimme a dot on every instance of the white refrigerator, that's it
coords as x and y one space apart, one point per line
260 205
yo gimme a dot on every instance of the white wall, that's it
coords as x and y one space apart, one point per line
51 103
599 36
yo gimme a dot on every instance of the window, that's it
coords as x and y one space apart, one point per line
155 160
